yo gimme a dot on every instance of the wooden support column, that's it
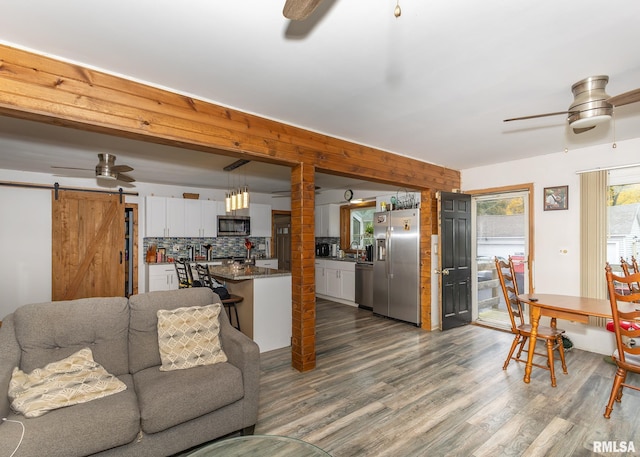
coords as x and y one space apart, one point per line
303 341
428 227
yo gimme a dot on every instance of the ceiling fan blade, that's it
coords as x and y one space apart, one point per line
536 115
124 178
121 168
299 10
582 130
72 168
624 99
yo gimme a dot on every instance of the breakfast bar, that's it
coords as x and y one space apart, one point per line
265 311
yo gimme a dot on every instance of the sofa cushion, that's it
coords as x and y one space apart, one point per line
75 379
82 429
184 394
143 328
189 337
48 332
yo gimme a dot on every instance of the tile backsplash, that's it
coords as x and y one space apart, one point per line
225 246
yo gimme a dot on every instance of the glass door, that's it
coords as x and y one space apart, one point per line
501 222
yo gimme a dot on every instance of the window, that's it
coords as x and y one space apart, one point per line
356 225
623 214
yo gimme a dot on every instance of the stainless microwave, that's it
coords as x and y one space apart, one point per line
234 226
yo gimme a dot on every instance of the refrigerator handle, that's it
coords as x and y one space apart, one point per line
389 263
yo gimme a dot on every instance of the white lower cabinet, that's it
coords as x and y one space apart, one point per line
321 281
161 277
336 279
348 284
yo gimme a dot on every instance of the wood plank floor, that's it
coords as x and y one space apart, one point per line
384 388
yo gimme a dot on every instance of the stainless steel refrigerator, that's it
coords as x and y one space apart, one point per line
396 265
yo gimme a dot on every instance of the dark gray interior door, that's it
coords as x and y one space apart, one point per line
454 214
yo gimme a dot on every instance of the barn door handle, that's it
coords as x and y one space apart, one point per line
121 257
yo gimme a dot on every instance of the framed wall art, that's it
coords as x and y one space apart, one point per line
556 198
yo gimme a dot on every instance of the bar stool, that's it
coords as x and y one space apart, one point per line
207 281
230 303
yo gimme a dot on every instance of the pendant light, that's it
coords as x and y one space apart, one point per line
227 202
233 201
245 197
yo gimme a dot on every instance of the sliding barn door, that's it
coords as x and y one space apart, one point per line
88 243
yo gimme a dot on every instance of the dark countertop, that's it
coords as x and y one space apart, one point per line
242 272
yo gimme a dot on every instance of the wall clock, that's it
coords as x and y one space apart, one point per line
348 195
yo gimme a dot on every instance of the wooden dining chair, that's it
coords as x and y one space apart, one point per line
626 318
633 286
522 331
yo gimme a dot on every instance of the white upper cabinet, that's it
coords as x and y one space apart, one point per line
327 218
200 218
260 219
164 217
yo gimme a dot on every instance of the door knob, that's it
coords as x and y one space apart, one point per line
444 272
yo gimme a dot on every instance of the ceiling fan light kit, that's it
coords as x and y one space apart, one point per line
590 106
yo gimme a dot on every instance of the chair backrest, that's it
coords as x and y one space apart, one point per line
634 286
509 285
624 312
203 275
183 271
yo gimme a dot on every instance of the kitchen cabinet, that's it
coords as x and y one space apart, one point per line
200 218
348 284
267 263
336 279
327 221
164 217
321 282
161 277
260 219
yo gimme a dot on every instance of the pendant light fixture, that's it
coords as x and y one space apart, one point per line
236 198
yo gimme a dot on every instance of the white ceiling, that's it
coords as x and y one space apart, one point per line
434 84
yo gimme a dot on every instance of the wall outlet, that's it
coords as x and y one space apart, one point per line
261 246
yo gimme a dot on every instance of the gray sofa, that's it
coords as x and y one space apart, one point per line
160 413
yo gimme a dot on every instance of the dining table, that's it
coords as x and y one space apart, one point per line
567 307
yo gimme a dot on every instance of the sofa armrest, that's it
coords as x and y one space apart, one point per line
9 358
244 353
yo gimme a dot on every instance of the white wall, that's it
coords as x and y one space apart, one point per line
25 243
556 231
25 231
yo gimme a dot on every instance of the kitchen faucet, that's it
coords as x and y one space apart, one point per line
357 249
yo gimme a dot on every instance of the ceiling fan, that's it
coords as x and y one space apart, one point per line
591 104
107 169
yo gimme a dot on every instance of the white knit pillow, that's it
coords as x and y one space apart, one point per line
189 337
75 379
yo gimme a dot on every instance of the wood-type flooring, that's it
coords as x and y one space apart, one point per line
385 388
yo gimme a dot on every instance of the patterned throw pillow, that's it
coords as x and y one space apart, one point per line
189 337
76 379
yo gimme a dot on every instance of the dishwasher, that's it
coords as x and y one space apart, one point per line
364 285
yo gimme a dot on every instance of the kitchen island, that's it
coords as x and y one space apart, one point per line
265 311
